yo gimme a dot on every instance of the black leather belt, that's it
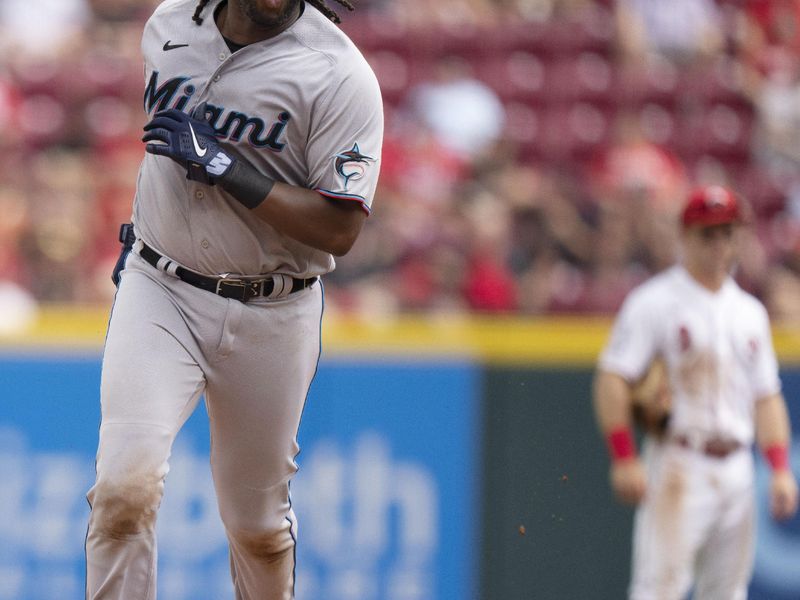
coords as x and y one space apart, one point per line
227 287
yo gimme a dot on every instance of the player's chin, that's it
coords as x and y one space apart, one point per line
270 13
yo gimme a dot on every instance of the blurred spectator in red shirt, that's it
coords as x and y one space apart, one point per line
633 166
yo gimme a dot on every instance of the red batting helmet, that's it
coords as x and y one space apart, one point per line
711 205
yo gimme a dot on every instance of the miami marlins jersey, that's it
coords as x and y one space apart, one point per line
717 349
303 107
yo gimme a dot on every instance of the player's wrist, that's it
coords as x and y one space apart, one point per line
777 456
245 183
620 443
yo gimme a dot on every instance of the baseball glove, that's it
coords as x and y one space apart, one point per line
652 401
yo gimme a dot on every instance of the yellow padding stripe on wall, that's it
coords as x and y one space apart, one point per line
487 339
565 341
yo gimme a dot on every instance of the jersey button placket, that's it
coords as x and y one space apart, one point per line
718 341
205 244
199 194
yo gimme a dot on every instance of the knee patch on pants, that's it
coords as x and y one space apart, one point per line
126 508
264 545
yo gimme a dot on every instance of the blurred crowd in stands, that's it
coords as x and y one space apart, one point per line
536 154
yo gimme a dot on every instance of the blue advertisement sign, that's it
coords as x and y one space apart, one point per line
777 561
386 496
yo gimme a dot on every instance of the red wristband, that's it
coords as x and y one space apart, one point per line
620 444
777 456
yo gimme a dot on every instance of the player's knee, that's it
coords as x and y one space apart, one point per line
125 507
264 544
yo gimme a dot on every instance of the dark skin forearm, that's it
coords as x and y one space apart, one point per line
300 213
310 218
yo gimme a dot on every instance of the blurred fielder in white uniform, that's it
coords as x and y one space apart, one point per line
694 524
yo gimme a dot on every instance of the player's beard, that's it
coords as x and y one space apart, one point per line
262 18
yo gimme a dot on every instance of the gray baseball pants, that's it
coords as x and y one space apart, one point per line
167 344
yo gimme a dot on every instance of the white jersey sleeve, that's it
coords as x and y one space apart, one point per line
343 152
634 338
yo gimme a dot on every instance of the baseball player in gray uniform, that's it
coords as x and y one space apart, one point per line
262 160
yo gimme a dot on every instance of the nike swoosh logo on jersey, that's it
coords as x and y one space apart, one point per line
201 152
168 46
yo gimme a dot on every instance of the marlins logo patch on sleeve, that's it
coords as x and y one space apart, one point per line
351 164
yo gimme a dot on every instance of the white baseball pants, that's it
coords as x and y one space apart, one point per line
695 527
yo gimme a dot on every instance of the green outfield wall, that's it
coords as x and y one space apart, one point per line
550 528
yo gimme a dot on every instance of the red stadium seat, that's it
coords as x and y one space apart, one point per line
587 76
523 123
574 132
720 131
718 82
393 73
654 82
538 38
372 30
518 75
761 191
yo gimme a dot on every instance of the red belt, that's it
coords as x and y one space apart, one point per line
714 447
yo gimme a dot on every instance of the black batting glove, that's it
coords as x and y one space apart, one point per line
191 142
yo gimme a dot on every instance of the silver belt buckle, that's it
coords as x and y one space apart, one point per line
228 281
256 287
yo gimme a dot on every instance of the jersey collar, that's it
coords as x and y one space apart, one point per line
684 275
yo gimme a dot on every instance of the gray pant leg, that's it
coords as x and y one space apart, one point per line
150 385
256 393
